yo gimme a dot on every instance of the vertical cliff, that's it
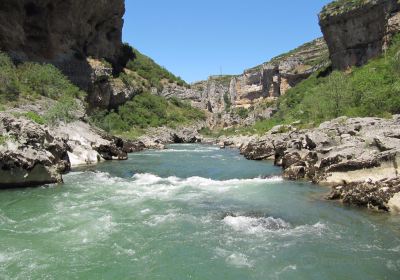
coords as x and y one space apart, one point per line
358 30
274 78
269 80
70 34
58 30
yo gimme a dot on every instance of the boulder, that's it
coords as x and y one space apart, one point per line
29 154
355 154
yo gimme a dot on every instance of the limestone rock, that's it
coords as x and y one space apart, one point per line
89 145
29 154
57 30
357 33
355 154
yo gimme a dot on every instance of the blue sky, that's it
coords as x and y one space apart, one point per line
197 38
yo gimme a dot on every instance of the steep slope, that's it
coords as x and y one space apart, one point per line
243 99
274 78
358 30
81 38
58 31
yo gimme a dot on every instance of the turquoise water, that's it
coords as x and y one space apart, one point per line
190 212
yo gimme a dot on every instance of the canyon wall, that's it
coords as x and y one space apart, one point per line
356 33
274 78
82 38
57 30
222 96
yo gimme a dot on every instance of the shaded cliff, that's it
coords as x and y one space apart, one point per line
357 31
70 35
58 30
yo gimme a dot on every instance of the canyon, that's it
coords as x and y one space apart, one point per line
93 57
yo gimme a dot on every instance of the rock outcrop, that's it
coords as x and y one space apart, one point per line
29 154
33 154
57 30
157 138
106 91
274 78
223 95
357 31
81 38
359 157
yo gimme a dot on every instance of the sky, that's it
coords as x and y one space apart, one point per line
198 38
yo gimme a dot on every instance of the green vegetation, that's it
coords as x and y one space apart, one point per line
223 79
6 138
228 102
370 90
63 111
317 45
151 71
35 117
242 112
31 81
144 111
342 6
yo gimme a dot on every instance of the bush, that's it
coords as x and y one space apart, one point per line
146 110
63 111
32 80
45 80
228 102
242 113
9 83
151 71
35 117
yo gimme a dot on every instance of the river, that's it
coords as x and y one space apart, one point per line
190 212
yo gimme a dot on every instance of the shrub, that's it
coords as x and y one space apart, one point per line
32 80
45 80
227 101
9 84
35 117
242 112
146 110
63 111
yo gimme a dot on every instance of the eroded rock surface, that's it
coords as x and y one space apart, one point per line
58 30
255 89
29 154
356 33
349 154
33 154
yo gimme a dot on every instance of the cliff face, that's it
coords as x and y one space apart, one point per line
263 83
70 34
57 30
355 32
274 78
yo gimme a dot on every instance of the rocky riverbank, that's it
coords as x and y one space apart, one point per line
359 158
32 154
